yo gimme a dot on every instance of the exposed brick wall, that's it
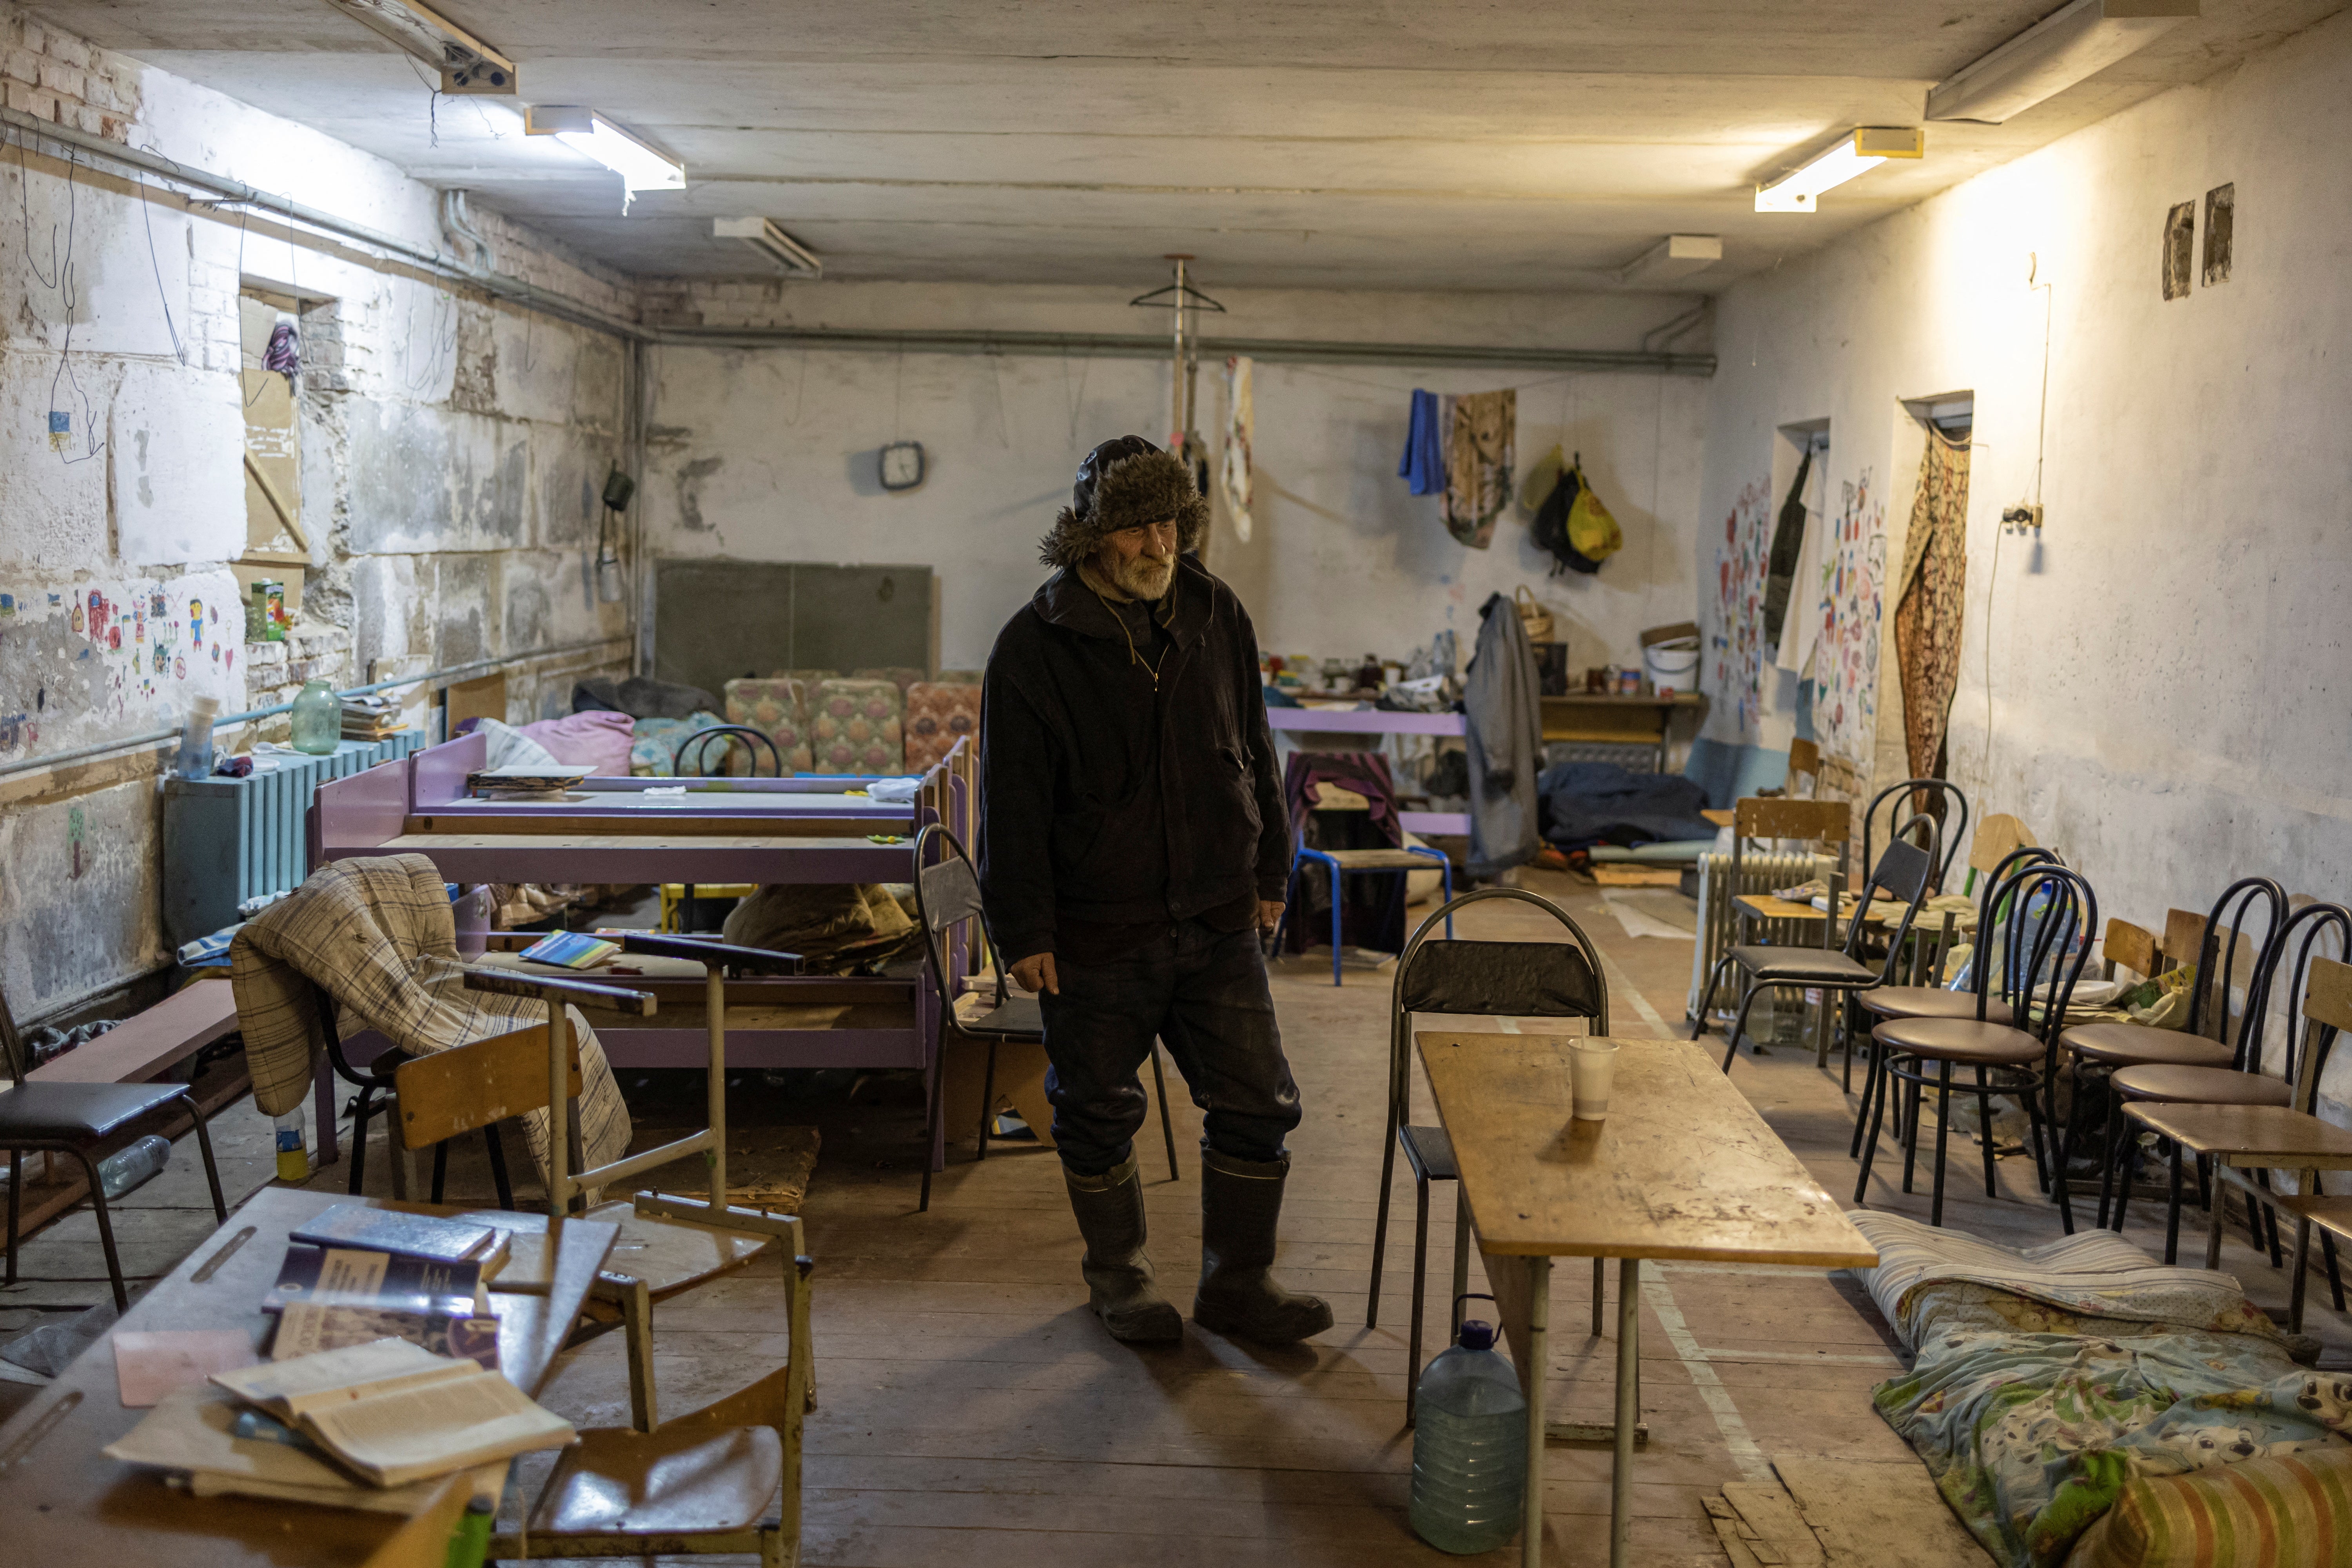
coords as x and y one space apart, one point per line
54 76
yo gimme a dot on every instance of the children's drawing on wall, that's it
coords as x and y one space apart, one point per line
1734 675
114 656
1846 660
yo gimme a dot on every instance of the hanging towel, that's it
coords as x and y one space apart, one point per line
1480 444
1424 463
1241 423
1787 542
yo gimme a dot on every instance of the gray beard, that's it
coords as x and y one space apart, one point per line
1143 578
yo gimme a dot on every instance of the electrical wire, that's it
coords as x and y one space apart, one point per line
147 217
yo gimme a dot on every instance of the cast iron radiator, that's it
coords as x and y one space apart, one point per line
1757 874
229 840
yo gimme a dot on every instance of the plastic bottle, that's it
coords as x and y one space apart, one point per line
195 757
293 1159
127 1168
317 720
1469 1447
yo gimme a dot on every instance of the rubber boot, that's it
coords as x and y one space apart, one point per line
1241 1205
1118 1275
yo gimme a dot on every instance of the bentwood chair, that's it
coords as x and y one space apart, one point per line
87 1120
947 894
1938 798
2040 950
1509 979
694 746
1884 1001
2225 956
1904 871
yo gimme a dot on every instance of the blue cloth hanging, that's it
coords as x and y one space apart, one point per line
1424 463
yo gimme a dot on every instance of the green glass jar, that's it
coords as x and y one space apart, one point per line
317 718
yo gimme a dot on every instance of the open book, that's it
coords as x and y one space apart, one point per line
395 1412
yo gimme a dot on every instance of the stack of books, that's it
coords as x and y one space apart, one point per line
356 1274
369 1426
371 717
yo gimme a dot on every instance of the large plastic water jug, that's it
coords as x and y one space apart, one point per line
1469 1447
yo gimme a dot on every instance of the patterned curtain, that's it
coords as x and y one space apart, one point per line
1927 603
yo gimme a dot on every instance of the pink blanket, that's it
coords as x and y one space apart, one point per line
597 741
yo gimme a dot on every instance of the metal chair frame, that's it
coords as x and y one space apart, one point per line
1873 1053
2062 940
1896 863
1952 834
170 1098
731 733
955 867
1333 867
1422 1145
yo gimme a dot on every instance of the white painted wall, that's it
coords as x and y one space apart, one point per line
450 456
767 453
2159 694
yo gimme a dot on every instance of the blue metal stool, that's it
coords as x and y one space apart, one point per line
1340 861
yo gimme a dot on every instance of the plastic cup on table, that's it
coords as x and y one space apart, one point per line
1593 1067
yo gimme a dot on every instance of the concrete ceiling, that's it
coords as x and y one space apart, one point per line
1324 144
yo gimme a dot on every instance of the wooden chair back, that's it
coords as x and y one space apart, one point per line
2130 947
1805 761
2327 994
1765 817
470 1086
1997 838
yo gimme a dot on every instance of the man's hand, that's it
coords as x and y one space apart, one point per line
1269 913
1035 974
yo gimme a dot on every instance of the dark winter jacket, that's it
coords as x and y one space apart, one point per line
1079 755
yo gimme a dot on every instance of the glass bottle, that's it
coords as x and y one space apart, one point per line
317 718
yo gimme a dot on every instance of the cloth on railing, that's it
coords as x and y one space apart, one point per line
378 934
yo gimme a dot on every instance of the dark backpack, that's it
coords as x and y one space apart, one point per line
1550 527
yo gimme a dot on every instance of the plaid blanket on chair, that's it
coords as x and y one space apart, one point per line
378 936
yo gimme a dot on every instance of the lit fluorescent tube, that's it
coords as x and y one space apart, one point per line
2076 41
642 167
1867 148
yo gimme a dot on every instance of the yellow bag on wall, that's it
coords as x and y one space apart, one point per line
1591 532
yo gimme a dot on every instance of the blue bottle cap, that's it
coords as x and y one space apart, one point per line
1477 1336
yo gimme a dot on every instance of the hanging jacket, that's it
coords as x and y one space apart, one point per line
1503 722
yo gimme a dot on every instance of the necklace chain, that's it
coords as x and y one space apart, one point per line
1134 656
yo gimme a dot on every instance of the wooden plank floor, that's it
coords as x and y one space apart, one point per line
972 1413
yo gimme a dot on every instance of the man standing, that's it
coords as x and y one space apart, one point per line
1134 842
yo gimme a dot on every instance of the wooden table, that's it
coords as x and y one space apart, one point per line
1683 1168
1609 718
66 1502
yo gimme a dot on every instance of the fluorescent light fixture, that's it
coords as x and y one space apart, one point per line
2064 47
641 165
1677 255
766 234
1868 147
467 64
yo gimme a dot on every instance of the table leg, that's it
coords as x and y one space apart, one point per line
1538 1323
328 1146
2213 1219
1629 1409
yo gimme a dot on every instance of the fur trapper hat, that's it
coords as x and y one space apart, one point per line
1125 483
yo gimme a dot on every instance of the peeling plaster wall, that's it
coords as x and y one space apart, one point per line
2161 693
769 454
452 455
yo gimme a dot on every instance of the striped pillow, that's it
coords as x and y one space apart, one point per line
2290 1511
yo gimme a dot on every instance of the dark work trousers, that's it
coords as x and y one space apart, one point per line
1202 991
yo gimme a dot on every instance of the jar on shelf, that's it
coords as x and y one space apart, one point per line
317 718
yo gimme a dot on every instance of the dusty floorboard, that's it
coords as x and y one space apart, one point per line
972 1413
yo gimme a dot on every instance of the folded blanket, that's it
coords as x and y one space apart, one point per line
380 937
2049 1378
2097 1273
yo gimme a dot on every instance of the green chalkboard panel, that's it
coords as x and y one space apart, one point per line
716 620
